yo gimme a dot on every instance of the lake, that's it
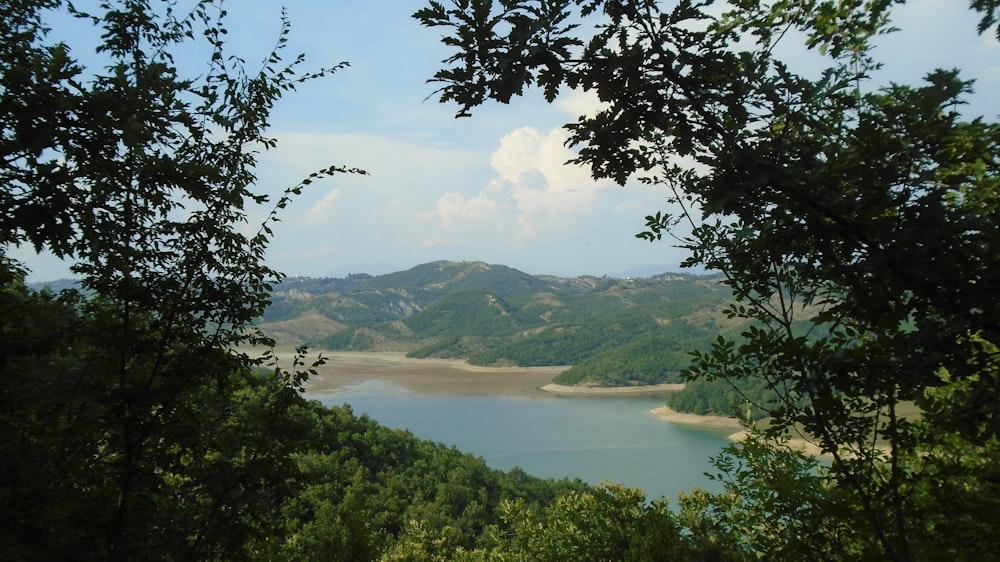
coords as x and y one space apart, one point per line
591 438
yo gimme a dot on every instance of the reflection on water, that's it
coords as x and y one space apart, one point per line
594 439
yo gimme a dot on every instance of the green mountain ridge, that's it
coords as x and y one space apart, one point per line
610 331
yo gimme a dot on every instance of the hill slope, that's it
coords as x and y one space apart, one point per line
612 331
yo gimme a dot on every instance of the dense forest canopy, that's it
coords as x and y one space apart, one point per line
869 212
132 431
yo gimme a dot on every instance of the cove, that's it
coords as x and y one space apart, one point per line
594 439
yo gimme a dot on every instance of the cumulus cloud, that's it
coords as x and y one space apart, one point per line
324 209
456 219
534 192
578 102
515 202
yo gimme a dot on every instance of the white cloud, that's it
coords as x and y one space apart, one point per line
578 102
324 210
546 190
515 202
457 220
535 195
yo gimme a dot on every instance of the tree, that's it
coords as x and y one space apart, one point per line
606 523
611 522
134 429
871 214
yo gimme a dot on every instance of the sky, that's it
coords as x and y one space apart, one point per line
493 187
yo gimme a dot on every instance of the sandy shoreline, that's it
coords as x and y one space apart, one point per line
453 376
436 376
731 426
721 423
612 390
428 376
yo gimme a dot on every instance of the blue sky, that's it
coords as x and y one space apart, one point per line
492 187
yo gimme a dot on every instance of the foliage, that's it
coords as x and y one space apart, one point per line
607 523
778 504
871 214
241 467
654 357
99 467
470 313
132 430
725 398
373 491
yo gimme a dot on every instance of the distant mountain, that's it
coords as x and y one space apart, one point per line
57 285
437 279
646 270
612 331
371 268
649 270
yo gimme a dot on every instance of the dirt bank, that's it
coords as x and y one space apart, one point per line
612 390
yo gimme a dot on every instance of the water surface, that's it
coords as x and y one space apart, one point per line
591 438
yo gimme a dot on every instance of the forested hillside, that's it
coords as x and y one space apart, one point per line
360 488
611 331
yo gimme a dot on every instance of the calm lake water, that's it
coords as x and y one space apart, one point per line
594 439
